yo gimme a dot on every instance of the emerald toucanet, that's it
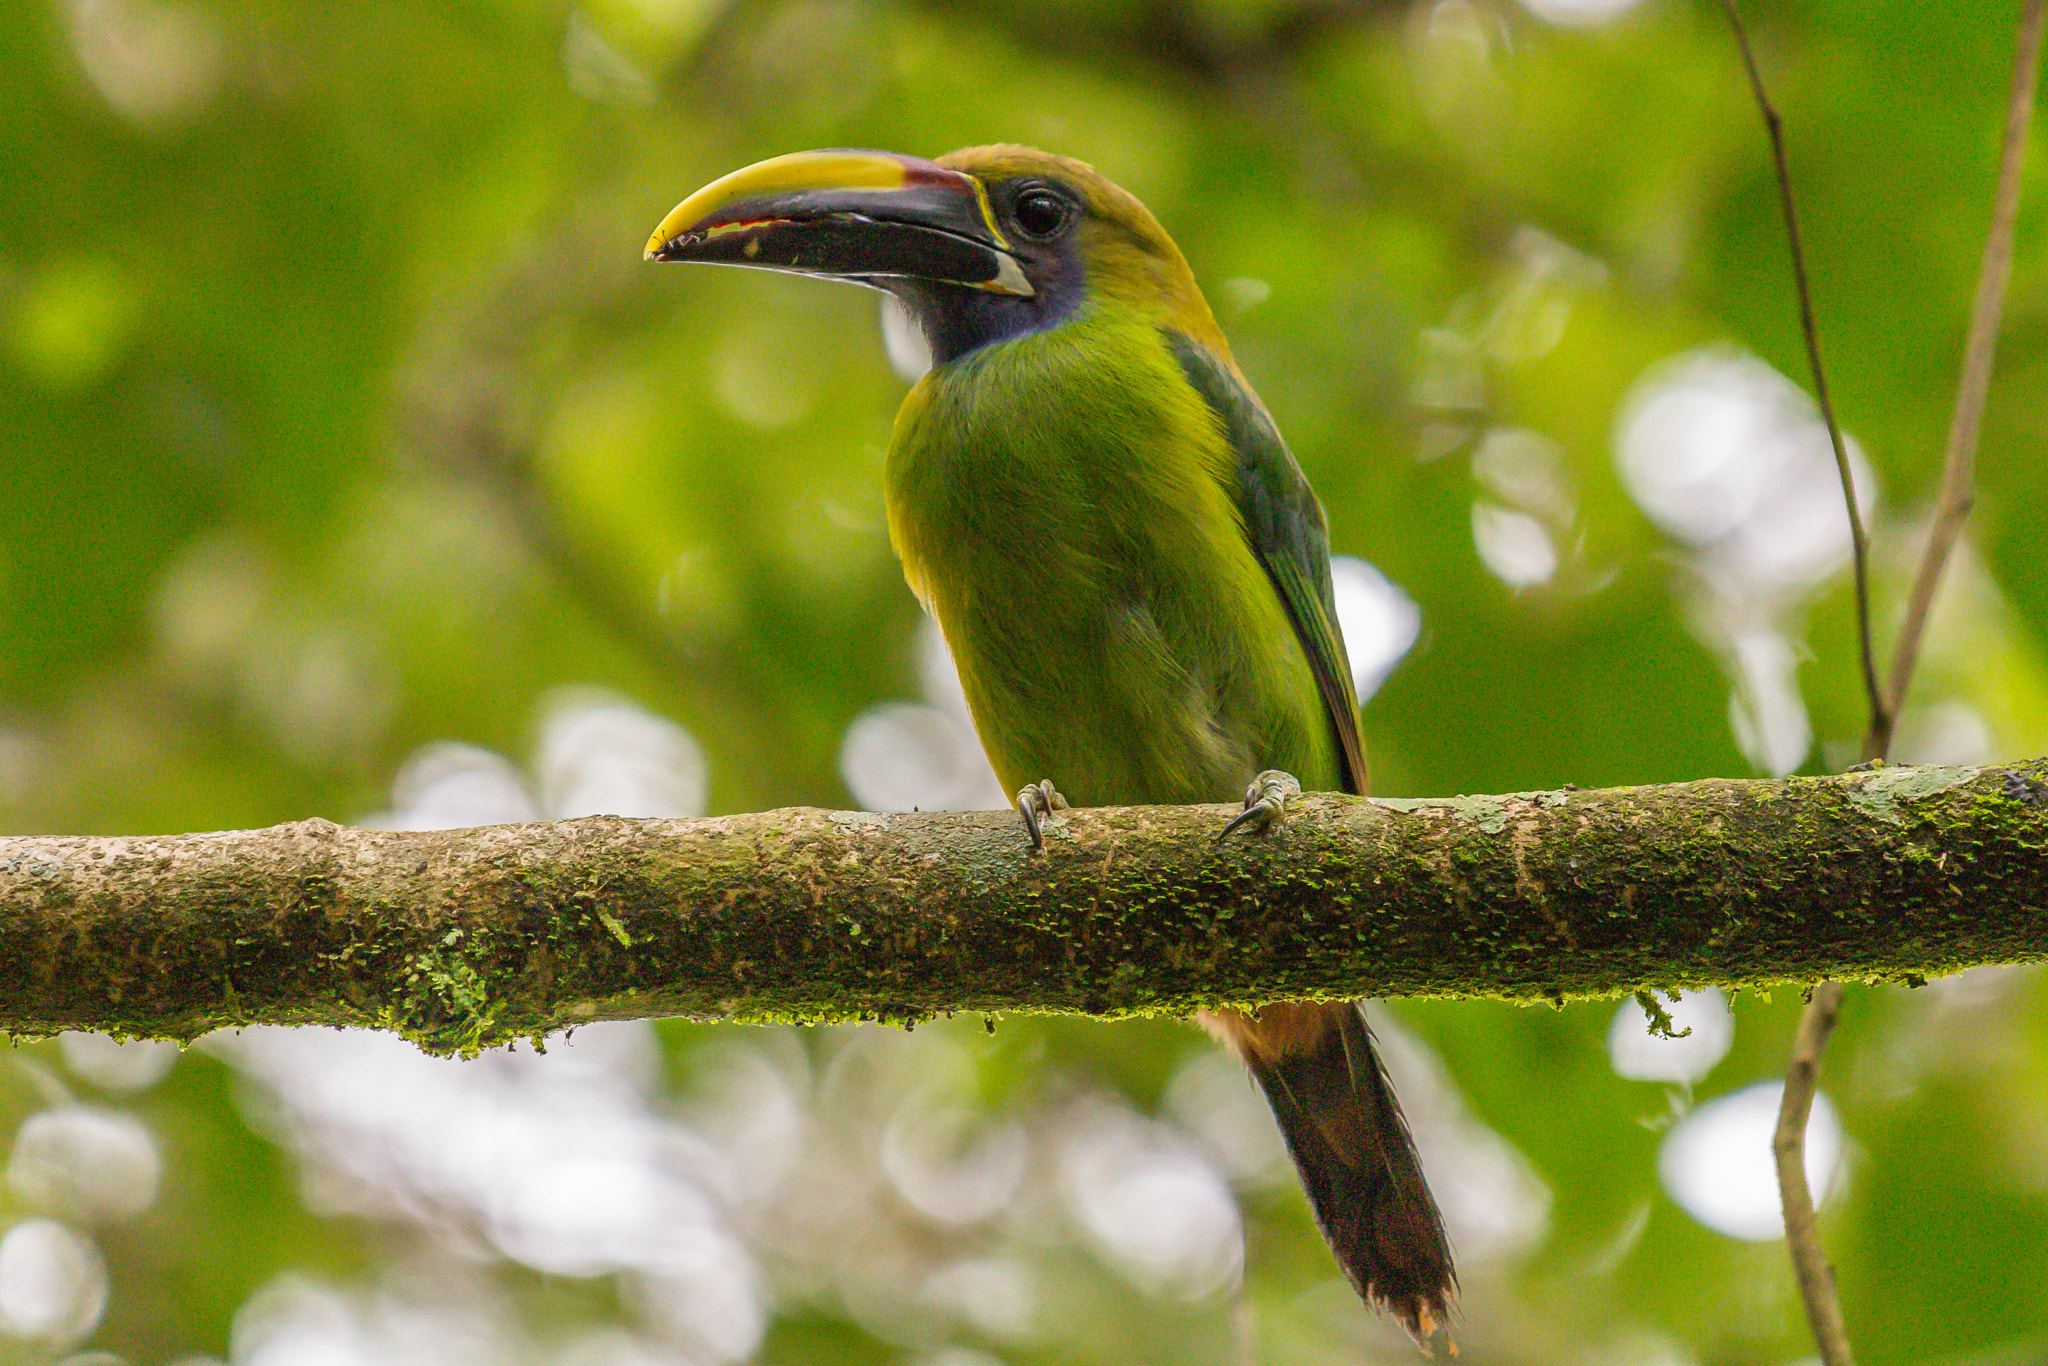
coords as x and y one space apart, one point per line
1129 566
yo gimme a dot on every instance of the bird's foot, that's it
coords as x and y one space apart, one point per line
1035 802
1265 803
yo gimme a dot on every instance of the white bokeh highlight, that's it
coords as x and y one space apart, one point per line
1530 508
294 1321
158 65
1731 460
1380 623
88 1164
1683 1059
1766 712
1716 1163
53 1282
997 1296
1525 469
116 1064
1148 1201
1215 1100
602 755
559 1162
448 785
924 755
1948 733
1726 454
1579 13
948 1163
1514 546
913 756
597 754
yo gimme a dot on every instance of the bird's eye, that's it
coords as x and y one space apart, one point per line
1040 212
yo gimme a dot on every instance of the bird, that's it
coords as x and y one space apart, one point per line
1127 562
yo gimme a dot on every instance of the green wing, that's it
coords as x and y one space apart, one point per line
1285 524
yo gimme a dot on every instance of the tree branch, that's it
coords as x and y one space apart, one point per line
461 939
1859 543
1973 385
1788 1146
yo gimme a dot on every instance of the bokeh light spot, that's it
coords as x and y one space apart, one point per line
1716 1163
448 785
1380 623
601 755
86 1163
116 1064
948 1163
1579 13
1640 1055
53 1282
1161 1214
1513 545
904 756
157 64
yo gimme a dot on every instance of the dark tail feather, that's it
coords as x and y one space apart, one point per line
1344 1128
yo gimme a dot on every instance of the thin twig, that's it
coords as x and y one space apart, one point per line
1802 1231
1959 466
1788 1144
1859 543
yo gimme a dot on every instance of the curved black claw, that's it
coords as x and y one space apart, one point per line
1265 803
1035 801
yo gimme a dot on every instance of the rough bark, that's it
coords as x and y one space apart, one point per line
460 939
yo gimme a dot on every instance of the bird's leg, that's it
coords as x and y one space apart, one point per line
1035 801
1265 803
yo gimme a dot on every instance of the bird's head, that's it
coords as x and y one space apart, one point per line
982 244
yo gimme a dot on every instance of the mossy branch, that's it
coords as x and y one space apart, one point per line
460 939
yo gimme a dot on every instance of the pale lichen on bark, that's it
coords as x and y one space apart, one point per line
459 939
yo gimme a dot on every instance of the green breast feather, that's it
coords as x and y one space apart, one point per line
1128 566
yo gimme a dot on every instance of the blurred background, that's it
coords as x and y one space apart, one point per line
359 468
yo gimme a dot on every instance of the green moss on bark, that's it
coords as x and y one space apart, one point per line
462 939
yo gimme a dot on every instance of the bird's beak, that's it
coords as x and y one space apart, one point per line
859 216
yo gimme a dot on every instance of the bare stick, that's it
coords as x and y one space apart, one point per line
1802 1233
1858 542
1960 463
1788 1144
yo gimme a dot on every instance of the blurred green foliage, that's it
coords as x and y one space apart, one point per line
342 416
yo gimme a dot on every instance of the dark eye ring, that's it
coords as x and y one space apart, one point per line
1040 212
